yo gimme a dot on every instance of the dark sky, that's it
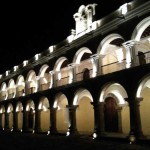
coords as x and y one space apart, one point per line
30 28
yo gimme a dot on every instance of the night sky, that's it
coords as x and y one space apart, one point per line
30 28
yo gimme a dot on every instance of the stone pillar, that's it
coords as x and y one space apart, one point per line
15 120
38 121
72 73
53 129
131 53
25 120
72 120
135 119
1 120
97 65
98 117
53 79
119 109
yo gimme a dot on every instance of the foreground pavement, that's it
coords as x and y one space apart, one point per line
28 141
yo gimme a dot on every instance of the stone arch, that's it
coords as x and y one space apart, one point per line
143 91
81 61
20 86
143 39
139 29
61 71
2 117
30 109
4 92
31 82
79 54
44 111
11 88
83 99
112 53
19 115
116 95
62 114
9 116
45 78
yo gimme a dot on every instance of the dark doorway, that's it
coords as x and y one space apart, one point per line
110 115
86 74
141 56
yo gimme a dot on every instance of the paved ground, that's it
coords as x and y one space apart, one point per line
24 141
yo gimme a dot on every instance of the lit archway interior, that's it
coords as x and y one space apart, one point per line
10 116
143 91
112 53
11 89
20 86
62 115
82 61
2 116
83 98
31 82
45 80
116 94
44 114
61 71
142 34
4 93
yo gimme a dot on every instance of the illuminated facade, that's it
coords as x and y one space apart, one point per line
96 81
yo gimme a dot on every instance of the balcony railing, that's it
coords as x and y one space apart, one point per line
141 59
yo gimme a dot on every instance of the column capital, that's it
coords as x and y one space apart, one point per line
130 43
97 103
52 72
71 107
72 65
95 56
137 99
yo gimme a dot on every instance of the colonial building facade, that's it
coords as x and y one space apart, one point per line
95 82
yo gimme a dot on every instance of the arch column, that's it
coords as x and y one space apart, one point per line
135 119
131 53
53 79
37 127
72 70
1 120
15 120
98 117
25 120
72 119
97 64
53 129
